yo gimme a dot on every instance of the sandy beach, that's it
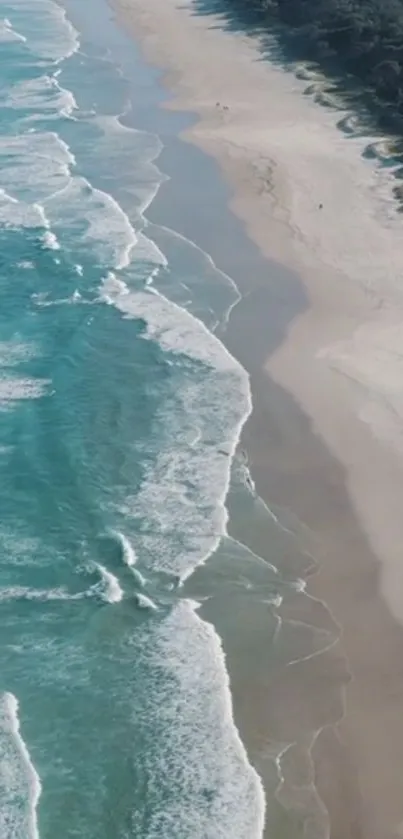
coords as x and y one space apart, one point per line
340 470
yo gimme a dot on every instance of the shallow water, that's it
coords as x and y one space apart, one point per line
120 414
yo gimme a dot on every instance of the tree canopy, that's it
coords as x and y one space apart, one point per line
363 38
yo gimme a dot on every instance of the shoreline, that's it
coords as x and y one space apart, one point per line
330 327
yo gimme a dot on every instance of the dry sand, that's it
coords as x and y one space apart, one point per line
342 361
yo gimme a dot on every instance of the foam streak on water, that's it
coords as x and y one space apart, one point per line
20 786
7 33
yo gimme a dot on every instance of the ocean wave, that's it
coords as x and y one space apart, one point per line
181 501
138 577
126 155
213 791
44 25
66 101
87 215
112 289
144 602
14 213
129 557
37 178
175 329
41 595
216 286
123 149
128 552
15 388
109 587
16 351
147 146
90 216
50 241
34 166
146 251
41 299
42 96
20 785
182 497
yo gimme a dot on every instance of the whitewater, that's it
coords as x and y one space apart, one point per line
120 415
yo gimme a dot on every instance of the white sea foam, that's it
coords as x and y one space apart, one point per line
125 150
41 299
40 95
50 241
147 251
42 595
16 214
25 264
121 149
182 498
138 577
20 786
35 165
175 329
128 552
199 749
106 227
107 589
234 295
22 551
46 29
112 289
65 99
129 557
15 351
186 494
111 590
118 139
145 602
13 389
8 34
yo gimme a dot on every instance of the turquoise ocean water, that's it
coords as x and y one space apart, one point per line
120 411
125 503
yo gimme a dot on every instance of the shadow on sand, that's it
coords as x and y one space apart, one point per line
327 84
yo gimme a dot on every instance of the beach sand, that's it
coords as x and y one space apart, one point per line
338 467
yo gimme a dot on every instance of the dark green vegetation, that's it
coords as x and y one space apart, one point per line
361 40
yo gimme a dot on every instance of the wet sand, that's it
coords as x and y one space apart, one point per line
336 465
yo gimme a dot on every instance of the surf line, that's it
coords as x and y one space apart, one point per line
14 750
